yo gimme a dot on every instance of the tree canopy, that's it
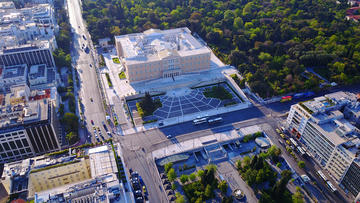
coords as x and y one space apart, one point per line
271 42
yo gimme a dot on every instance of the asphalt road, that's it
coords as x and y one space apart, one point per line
139 146
89 89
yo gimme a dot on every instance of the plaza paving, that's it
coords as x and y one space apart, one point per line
184 101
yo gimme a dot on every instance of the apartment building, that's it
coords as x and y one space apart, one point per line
351 179
322 127
27 127
157 54
38 52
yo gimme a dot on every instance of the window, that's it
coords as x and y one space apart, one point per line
12 145
6 146
25 142
19 144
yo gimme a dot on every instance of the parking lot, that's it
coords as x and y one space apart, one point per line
188 102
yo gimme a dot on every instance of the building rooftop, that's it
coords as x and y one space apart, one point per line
7 5
14 71
329 102
37 44
15 174
328 117
154 44
66 178
102 161
23 112
37 71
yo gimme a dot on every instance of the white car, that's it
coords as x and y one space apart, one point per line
169 136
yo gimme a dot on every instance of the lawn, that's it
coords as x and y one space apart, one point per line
116 60
122 75
218 92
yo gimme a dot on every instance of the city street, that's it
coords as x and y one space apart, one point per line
85 64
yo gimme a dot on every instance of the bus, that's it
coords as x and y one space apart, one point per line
286 98
215 120
301 151
293 142
331 186
322 176
199 121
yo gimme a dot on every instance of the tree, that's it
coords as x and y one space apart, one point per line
301 164
61 110
168 166
238 23
237 57
265 56
173 186
208 192
280 187
184 178
192 176
200 173
179 198
223 187
238 164
72 138
171 175
298 197
70 122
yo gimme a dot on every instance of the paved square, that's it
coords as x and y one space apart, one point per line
186 101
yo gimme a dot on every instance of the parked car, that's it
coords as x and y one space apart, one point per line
139 199
135 185
92 122
138 193
134 174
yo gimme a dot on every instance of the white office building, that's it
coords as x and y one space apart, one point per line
324 130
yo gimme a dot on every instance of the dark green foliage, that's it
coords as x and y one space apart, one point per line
204 188
218 92
250 137
71 123
147 105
